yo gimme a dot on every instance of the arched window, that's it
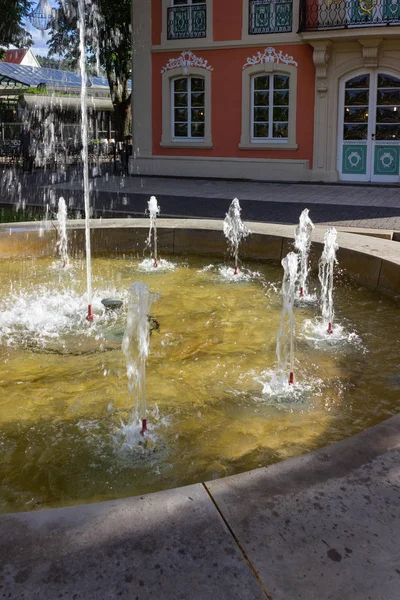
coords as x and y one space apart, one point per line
188 105
270 107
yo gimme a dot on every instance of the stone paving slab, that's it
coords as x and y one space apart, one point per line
325 526
167 546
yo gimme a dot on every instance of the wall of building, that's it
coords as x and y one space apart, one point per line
226 100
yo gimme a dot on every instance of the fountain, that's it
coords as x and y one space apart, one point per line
85 152
325 275
208 416
285 341
136 345
154 210
62 243
235 230
302 243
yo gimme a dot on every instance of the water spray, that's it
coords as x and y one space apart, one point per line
85 152
302 243
235 231
136 346
154 210
61 227
285 341
325 275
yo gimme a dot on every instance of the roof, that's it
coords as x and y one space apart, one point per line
15 56
13 75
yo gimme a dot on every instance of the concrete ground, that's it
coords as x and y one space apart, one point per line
365 206
323 526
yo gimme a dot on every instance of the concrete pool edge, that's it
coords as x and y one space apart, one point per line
371 261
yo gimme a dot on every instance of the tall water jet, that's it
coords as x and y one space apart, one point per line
85 152
62 243
235 230
154 210
136 345
302 243
325 275
285 341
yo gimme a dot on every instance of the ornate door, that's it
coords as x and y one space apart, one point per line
369 136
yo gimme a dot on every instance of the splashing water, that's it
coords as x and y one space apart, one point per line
325 275
285 341
136 345
235 230
154 210
62 243
302 243
85 152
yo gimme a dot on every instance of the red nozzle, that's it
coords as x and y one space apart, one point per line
330 330
291 378
301 292
90 316
144 427
236 272
155 263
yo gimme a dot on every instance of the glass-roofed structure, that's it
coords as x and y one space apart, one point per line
36 94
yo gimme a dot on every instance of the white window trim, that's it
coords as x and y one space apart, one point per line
167 140
183 44
247 141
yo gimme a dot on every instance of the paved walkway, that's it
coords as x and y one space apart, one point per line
376 207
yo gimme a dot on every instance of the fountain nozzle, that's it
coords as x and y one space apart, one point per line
90 316
144 427
291 378
155 263
330 330
236 272
301 293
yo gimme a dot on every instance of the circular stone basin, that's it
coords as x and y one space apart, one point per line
66 419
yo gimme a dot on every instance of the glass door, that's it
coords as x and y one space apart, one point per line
369 136
386 134
355 131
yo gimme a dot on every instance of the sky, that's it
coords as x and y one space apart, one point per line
39 37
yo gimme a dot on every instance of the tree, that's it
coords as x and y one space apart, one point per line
54 63
12 29
108 42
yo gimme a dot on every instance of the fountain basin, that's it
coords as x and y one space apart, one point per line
270 242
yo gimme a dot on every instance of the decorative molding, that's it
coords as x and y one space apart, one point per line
321 61
185 60
370 52
270 55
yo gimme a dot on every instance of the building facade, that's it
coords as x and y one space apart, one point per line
283 90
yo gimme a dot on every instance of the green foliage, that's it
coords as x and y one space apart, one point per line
108 40
12 16
63 64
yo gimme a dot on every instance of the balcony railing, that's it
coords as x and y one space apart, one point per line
316 15
270 16
185 22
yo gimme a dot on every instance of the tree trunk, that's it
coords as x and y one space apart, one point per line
122 118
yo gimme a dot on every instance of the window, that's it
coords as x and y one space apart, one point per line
270 107
187 19
269 104
188 108
270 16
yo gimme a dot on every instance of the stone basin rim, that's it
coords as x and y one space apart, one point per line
374 262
